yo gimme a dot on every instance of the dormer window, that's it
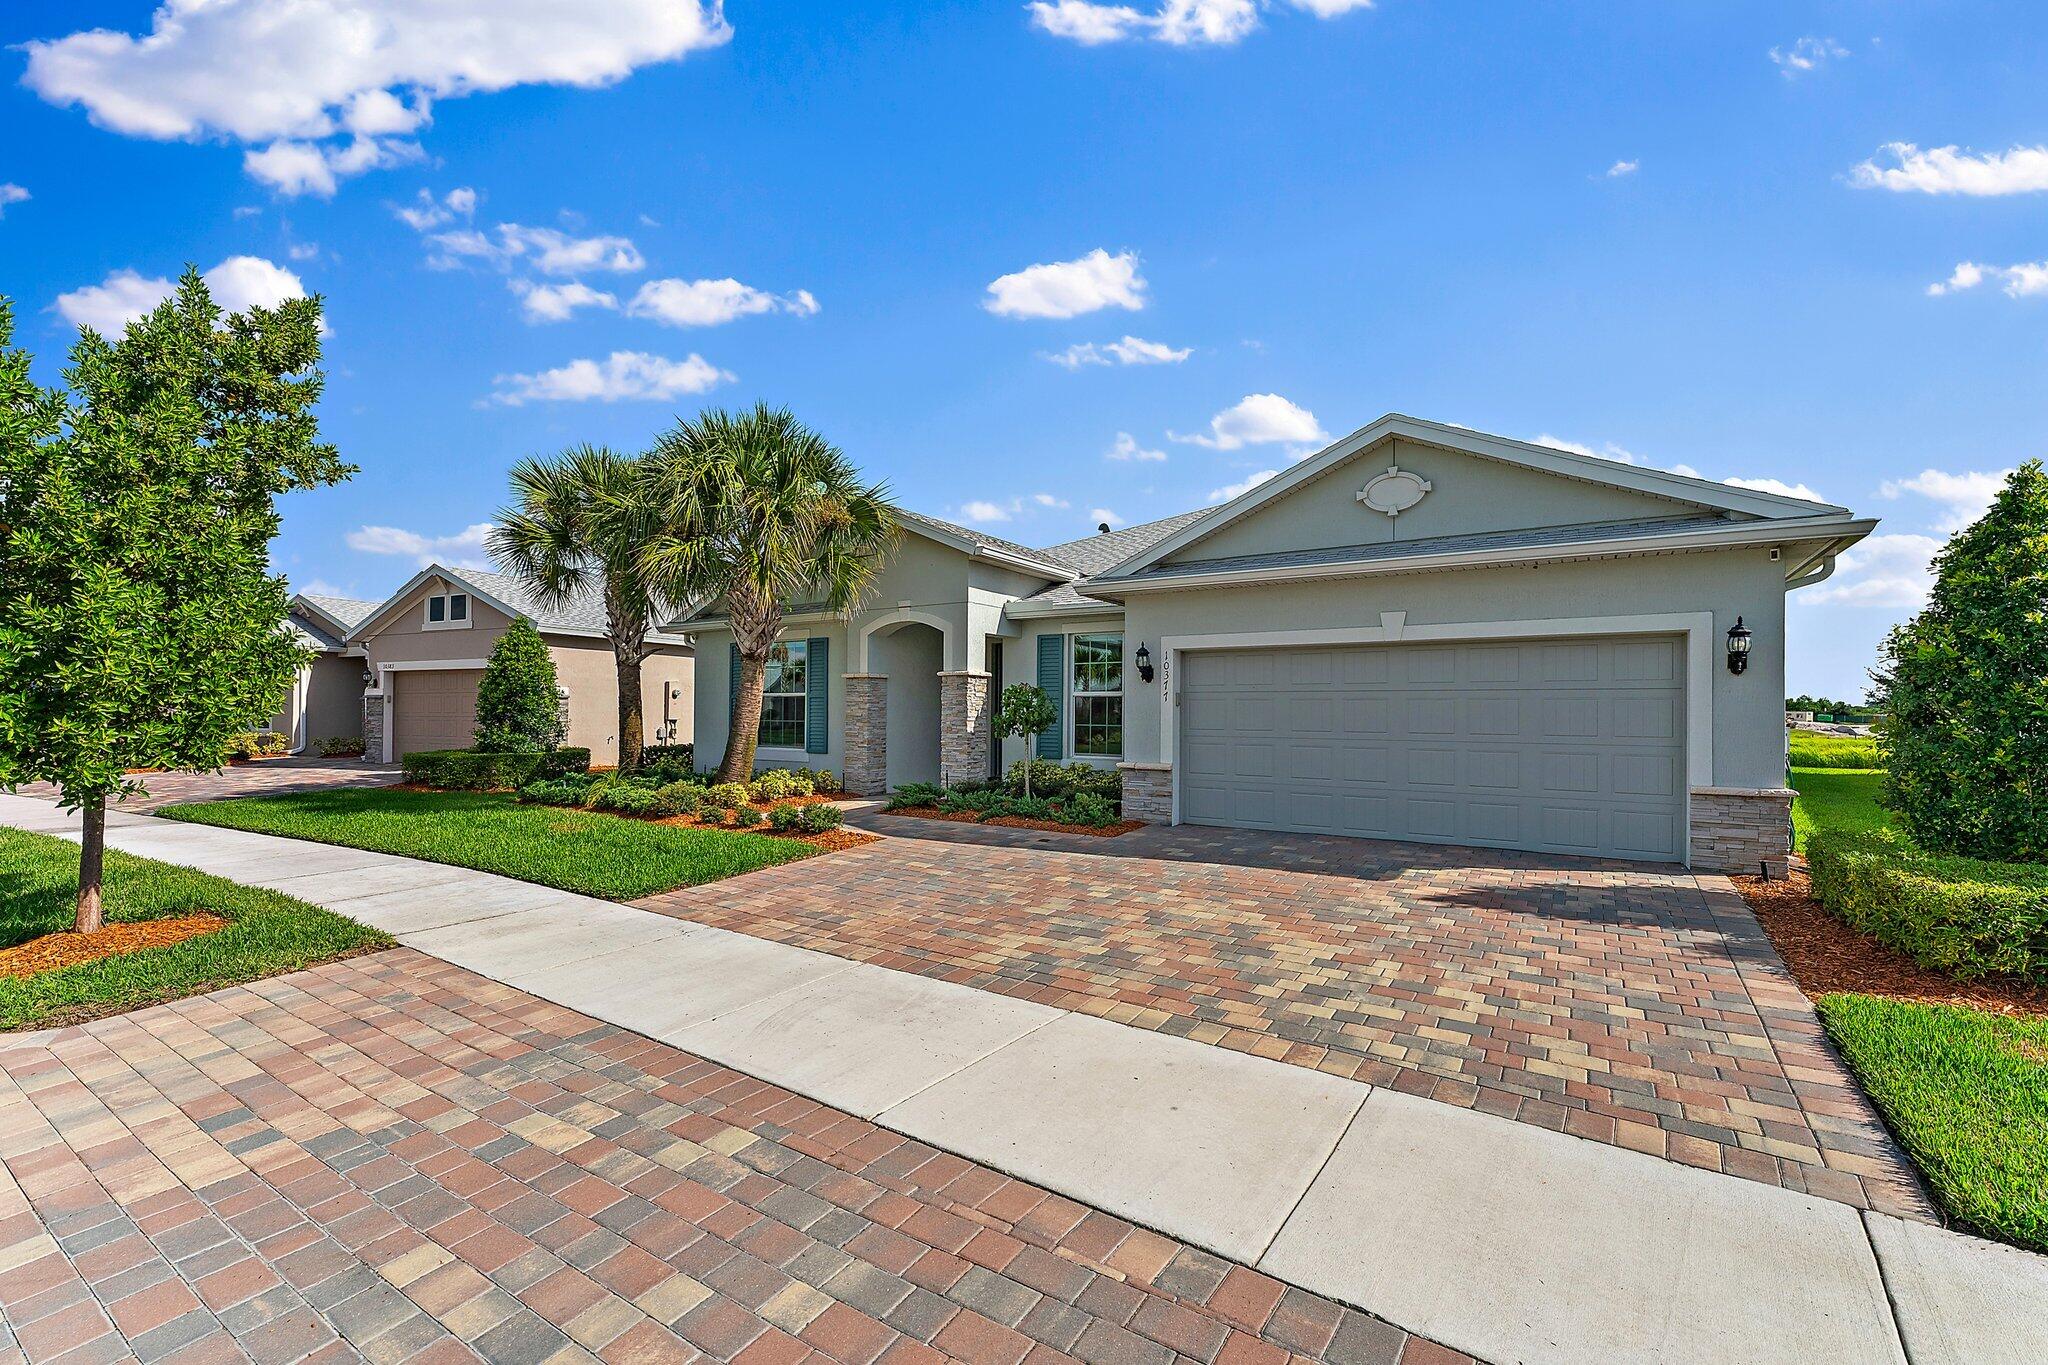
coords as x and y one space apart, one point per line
448 611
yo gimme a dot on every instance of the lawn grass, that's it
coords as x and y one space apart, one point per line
1839 798
267 933
1967 1093
573 850
1809 749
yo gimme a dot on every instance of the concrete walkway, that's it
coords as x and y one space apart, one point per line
1497 1238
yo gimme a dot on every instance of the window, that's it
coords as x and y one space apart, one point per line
782 696
448 610
1098 696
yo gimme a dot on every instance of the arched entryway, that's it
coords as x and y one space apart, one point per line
910 655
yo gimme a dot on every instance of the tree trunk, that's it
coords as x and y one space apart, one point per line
744 732
632 721
92 850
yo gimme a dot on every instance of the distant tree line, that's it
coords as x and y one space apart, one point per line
1840 710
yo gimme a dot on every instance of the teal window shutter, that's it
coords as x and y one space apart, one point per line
817 694
1052 680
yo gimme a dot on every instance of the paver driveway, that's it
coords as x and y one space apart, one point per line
1626 1004
392 1159
267 777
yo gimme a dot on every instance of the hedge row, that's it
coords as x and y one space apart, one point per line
1962 916
474 771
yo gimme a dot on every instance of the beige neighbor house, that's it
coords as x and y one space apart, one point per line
422 652
1420 633
326 700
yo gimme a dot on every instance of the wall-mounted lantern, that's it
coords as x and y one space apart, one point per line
1143 659
1738 647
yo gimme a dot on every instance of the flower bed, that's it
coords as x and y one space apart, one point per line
1071 800
783 803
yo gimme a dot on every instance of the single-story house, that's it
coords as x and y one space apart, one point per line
326 700
1420 633
425 646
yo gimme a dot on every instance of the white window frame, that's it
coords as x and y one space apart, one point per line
447 601
803 715
1075 694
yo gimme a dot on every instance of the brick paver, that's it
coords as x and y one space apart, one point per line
266 777
390 1158
1632 1005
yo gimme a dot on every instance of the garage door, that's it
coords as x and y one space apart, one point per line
1564 746
435 710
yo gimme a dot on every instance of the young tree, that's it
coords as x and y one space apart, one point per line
139 625
578 523
1025 712
518 701
1963 688
760 511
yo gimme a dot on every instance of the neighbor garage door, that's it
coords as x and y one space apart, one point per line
435 710
1563 746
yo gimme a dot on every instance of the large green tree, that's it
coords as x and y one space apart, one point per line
759 512
1963 688
579 523
140 626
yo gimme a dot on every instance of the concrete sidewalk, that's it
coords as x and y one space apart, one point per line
1497 1238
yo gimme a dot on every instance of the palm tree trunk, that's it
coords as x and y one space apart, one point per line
744 732
92 852
632 720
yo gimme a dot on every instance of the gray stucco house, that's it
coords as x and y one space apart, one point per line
326 700
1421 632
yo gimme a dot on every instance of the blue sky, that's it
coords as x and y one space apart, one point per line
1693 234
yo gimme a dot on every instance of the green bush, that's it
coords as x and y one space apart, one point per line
1807 749
341 746
625 798
778 784
819 818
667 763
726 795
472 770
744 817
258 744
1086 808
982 803
1064 779
1967 917
823 780
914 794
783 819
678 798
555 791
566 761
518 699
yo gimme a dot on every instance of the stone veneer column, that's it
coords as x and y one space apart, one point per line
966 725
1742 830
867 733
373 724
1148 792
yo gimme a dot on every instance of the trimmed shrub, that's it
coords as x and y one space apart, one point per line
678 798
341 746
784 819
1058 780
1809 750
726 795
778 784
819 818
745 816
667 763
556 791
473 770
912 794
518 702
624 798
982 803
1086 808
1967 917
258 744
823 780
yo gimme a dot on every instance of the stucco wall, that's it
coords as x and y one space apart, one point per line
584 667
1020 665
334 700
405 637
910 656
713 696
1748 745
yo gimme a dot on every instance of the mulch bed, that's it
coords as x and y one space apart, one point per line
54 952
1826 956
968 817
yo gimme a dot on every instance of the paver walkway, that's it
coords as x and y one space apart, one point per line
266 777
391 1158
1635 1006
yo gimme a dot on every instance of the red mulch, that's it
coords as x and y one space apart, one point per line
1826 955
968 817
53 952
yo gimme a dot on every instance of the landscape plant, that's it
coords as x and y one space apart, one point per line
140 625
1024 711
518 699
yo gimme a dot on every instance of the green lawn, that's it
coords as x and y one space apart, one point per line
1839 798
1812 750
267 933
575 850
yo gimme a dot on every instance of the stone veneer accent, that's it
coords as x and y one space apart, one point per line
1742 829
1148 791
965 727
867 733
374 711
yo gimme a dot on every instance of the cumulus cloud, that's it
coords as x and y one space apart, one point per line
1067 289
1129 351
984 512
1257 419
548 250
709 303
1102 516
1623 168
1879 571
2018 281
11 193
463 550
426 212
1778 486
621 376
1182 23
237 284
323 89
558 302
1807 54
1127 448
1961 497
1950 170
1232 490
1611 451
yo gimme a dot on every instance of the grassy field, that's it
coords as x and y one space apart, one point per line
1840 798
1811 750
267 933
574 850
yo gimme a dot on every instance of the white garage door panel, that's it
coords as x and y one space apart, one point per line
1558 745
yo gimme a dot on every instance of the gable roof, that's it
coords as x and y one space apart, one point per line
981 545
1702 493
324 621
582 614
1092 555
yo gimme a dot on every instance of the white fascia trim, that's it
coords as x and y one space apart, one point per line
714 624
376 618
1023 610
1696 626
1636 478
431 665
1735 534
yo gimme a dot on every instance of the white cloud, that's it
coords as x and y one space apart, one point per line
11 193
1609 451
463 550
1807 54
1257 419
1129 351
558 302
1182 23
2018 281
237 283
1127 448
1778 486
984 512
1067 289
1231 490
322 89
303 251
709 303
1880 571
548 250
1623 168
1950 170
1962 497
1048 500
462 200
1103 516
426 212
623 375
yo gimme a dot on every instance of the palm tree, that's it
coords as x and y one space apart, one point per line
760 511
578 524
